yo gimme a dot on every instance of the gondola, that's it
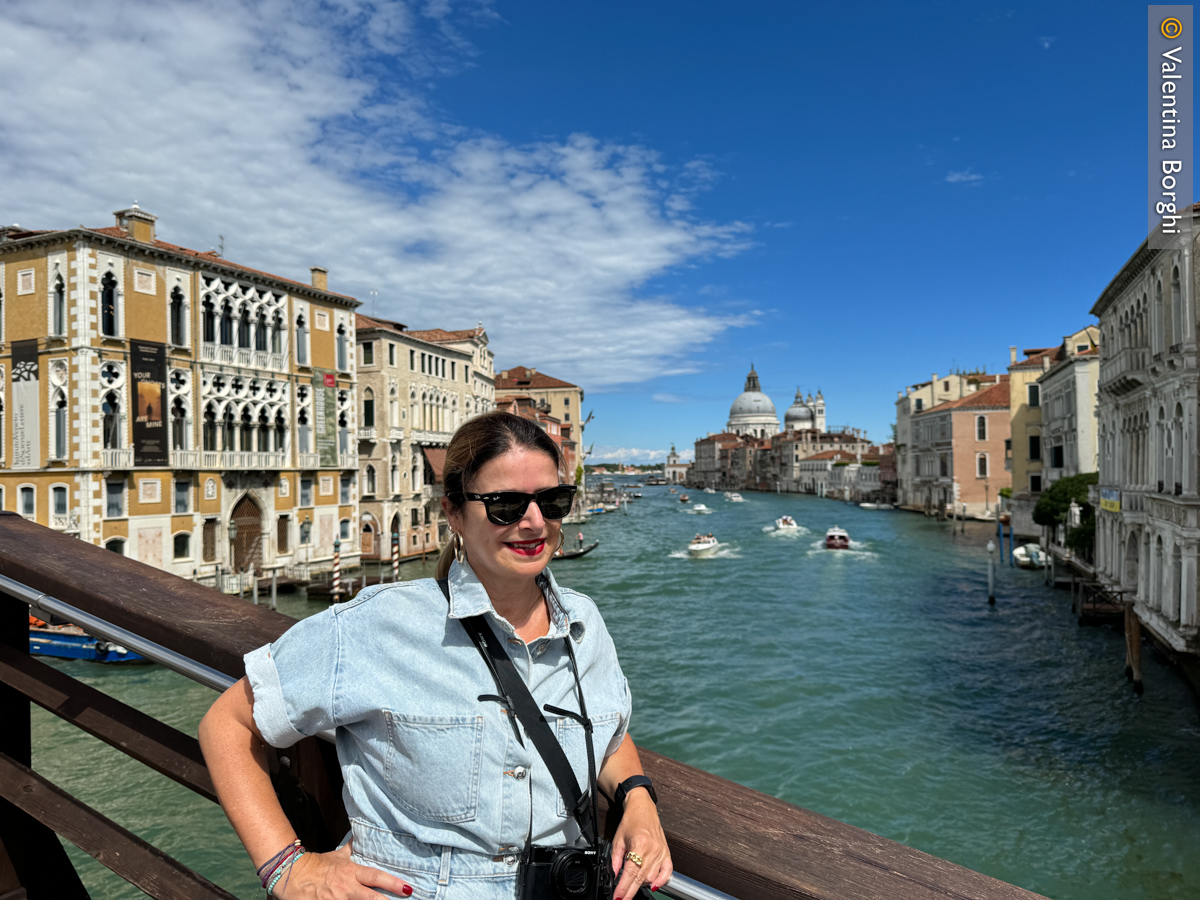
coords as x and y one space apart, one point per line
576 551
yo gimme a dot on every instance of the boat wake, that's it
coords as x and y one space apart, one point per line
857 550
723 552
788 533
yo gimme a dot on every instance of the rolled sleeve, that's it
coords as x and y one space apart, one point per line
294 681
623 728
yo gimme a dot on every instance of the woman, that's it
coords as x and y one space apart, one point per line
441 794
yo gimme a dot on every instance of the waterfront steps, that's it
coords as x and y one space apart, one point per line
738 841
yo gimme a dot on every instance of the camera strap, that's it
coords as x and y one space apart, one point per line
519 701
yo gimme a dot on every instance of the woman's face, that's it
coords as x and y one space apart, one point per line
505 555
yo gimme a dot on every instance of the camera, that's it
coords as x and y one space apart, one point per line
566 873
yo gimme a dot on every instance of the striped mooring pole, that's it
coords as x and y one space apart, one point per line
395 556
337 569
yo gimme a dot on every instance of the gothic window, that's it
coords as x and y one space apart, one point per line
58 311
179 425
60 425
243 332
264 432
393 409
227 324
277 333
178 332
111 421
395 473
1176 307
371 480
343 434
343 362
1158 315
303 428
208 431
981 428
368 419
301 341
246 441
209 314
108 305
227 430
280 433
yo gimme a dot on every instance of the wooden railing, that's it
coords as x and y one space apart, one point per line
743 843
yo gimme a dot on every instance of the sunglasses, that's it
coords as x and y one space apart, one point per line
508 507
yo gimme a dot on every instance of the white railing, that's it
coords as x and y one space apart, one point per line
368 434
395 434
60 521
430 437
310 460
186 459
347 460
210 459
245 357
225 354
208 352
118 458
278 361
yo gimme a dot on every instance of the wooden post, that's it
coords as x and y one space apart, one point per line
274 586
254 585
30 853
1135 650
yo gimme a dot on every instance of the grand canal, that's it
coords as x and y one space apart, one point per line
876 686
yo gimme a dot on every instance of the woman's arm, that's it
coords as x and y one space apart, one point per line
236 755
640 832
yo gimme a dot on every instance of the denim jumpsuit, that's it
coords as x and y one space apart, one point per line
438 789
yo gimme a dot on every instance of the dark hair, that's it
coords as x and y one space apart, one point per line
476 443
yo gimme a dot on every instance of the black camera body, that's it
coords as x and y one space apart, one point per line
566 873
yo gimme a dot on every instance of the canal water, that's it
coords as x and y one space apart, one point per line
874 685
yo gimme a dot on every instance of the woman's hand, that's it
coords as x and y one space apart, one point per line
334 876
641 834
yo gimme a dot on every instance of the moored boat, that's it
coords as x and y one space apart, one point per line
837 539
1029 556
72 642
703 545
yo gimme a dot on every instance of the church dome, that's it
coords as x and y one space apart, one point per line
753 412
799 413
752 403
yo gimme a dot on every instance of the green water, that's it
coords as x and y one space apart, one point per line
875 686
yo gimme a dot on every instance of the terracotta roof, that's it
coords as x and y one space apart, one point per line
520 377
211 257
442 336
994 396
437 461
362 322
723 436
830 454
1033 357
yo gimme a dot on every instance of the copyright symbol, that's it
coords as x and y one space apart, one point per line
1171 29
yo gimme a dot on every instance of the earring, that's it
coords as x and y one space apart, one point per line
562 540
460 551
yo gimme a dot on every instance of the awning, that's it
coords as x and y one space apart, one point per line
436 457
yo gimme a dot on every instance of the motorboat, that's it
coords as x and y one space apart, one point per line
636 495
710 490
672 491
735 497
71 642
868 506
786 523
700 509
884 506
837 539
684 498
703 545
1029 556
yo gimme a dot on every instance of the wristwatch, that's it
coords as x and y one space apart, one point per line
635 781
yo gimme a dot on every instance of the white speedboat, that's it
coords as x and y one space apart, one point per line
837 539
786 523
710 490
868 506
1030 556
703 545
700 509
735 497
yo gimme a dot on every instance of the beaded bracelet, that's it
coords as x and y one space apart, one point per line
284 868
269 871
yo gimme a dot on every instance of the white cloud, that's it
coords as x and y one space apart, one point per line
1047 42
669 398
964 177
634 455
304 134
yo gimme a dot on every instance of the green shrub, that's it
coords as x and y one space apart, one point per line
1052 506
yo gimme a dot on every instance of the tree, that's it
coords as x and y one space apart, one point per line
1052 506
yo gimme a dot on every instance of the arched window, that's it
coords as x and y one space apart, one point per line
981 465
108 305
179 425
301 341
116 545
981 428
58 312
264 432
111 421
277 333
1176 307
368 417
182 546
226 324
303 428
209 429
260 331
395 473
1160 328
244 329
60 425
227 430
371 480
280 433
247 436
178 332
210 319
343 361
343 434
58 500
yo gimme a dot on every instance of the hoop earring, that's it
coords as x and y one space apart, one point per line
460 550
562 541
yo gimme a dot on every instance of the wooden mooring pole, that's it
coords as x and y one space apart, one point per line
1133 649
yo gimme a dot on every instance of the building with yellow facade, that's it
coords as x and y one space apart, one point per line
173 406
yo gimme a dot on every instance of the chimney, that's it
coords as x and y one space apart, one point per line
320 277
1046 363
1012 354
137 223
532 371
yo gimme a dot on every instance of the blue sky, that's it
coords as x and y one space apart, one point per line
642 198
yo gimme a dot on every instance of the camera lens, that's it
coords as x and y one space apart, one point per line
571 874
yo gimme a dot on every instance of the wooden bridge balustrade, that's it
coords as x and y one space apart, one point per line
744 843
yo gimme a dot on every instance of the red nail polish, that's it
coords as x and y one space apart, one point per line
654 887
407 890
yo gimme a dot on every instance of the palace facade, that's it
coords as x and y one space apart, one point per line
171 405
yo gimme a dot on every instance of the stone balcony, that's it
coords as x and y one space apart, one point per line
116 458
1124 371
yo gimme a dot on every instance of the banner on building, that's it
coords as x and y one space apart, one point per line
325 418
26 415
1110 499
148 368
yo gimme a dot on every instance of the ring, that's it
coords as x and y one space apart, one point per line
634 858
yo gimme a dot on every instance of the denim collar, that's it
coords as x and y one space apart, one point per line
468 597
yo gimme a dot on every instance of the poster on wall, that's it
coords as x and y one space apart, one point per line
325 418
148 365
27 433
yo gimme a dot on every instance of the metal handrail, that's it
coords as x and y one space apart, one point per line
680 886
